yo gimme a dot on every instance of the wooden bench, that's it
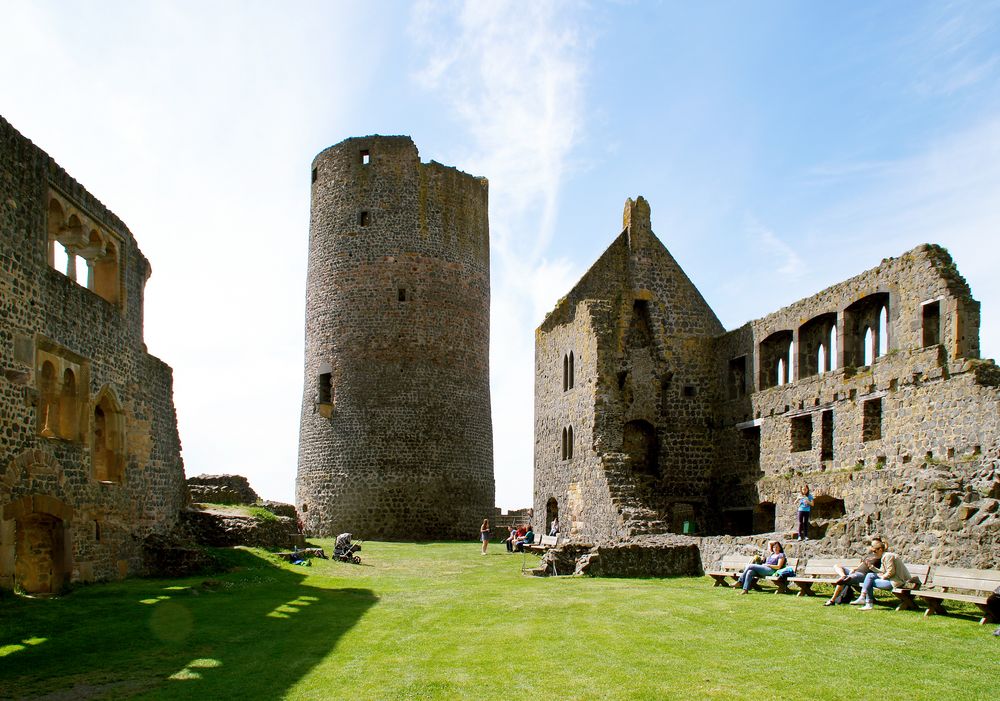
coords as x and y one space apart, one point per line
819 570
781 582
974 587
546 542
729 566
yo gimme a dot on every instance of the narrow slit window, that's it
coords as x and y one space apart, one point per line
401 294
364 218
571 369
325 388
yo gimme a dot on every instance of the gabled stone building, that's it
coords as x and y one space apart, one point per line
649 418
89 453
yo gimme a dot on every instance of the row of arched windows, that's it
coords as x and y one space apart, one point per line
567 443
82 250
61 409
865 337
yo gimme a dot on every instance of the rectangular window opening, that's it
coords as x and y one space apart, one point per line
689 390
364 218
802 431
366 157
738 377
826 435
931 317
871 426
401 294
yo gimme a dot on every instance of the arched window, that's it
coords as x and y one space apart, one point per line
48 402
821 359
569 443
571 370
69 410
562 455
105 271
780 380
109 439
833 348
883 333
869 346
57 219
565 372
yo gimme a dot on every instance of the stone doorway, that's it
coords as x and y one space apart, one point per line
40 554
551 513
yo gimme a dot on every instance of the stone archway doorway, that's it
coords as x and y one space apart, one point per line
551 514
40 554
39 542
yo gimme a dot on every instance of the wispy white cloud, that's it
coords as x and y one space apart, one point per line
512 76
954 48
946 193
782 257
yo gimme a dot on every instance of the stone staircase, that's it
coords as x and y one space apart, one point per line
637 519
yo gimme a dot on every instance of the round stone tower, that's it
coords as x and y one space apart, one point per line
396 438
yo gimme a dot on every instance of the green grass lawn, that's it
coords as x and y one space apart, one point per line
440 621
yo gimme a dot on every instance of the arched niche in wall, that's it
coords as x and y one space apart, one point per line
774 353
814 345
870 313
639 443
108 445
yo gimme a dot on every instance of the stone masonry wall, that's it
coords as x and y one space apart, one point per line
871 391
641 336
396 432
94 450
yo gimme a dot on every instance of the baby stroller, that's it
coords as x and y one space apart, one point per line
344 549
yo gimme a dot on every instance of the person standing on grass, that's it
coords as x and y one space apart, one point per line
890 573
484 534
805 507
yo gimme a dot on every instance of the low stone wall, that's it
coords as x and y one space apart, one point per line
281 509
172 556
652 556
223 530
221 489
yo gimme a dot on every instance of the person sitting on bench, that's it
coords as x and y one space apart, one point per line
527 539
775 561
850 576
890 573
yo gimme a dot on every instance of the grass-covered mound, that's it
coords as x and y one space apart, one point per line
439 621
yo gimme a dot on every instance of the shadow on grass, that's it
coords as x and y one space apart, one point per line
252 632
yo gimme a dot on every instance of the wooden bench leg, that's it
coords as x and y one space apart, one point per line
906 602
806 589
782 586
934 607
987 614
720 580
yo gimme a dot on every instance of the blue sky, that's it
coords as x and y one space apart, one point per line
782 146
